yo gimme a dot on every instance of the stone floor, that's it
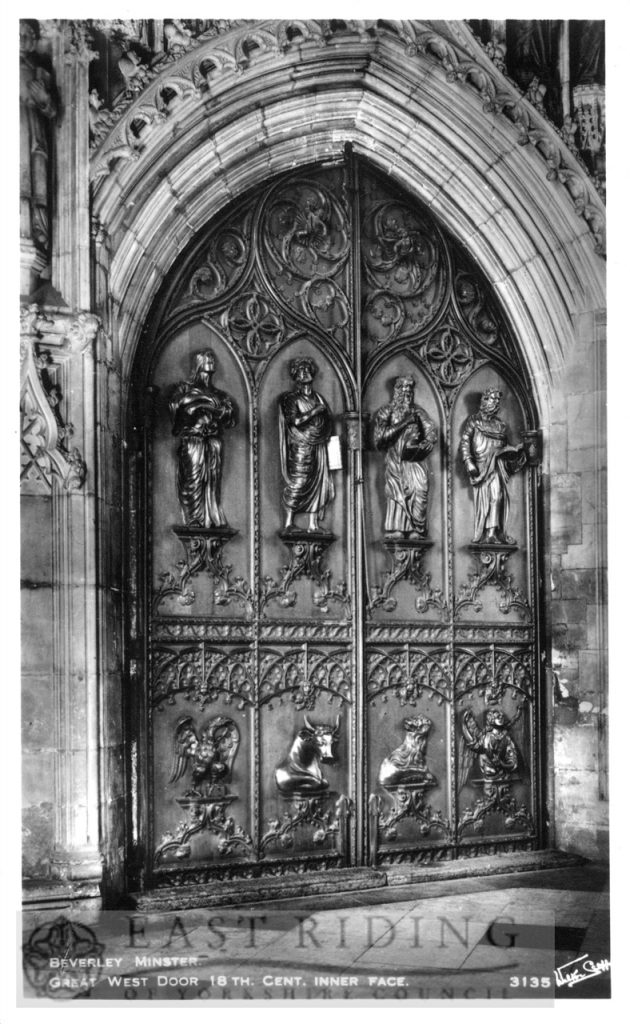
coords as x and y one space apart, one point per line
484 938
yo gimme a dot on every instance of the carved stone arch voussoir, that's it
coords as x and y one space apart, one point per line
502 226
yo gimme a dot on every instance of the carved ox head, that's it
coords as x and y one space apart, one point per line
323 737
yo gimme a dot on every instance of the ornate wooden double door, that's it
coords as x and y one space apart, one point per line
334 614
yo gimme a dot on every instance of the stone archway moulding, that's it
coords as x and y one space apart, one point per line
243 107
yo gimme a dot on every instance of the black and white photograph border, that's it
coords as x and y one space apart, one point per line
316 410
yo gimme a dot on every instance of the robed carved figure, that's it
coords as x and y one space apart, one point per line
200 414
305 427
490 461
405 433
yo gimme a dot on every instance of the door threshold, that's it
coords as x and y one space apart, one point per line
344 880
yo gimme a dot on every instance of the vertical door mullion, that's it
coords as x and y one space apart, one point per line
356 512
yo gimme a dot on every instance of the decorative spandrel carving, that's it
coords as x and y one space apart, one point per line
406 765
302 676
201 413
301 772
404 268
494 673
490 760
224 262
306 237
206 753
305 428
473 305
202 674
410 674
405 433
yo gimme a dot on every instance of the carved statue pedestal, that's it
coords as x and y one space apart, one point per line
205 813
203 546
307 810
496 798
491 565
307 549
406 556
408 802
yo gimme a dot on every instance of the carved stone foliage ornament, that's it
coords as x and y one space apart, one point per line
489 759
301 772
44 451
207 753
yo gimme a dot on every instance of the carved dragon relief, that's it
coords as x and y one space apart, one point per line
463 60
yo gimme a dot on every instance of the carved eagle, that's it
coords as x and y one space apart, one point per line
209 752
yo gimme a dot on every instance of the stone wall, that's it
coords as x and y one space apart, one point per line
577 521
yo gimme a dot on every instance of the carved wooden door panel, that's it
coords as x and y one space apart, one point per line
334 653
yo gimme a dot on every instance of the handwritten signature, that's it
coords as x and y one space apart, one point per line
579 970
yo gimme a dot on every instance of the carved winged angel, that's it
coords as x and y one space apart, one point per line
208 753
492 748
